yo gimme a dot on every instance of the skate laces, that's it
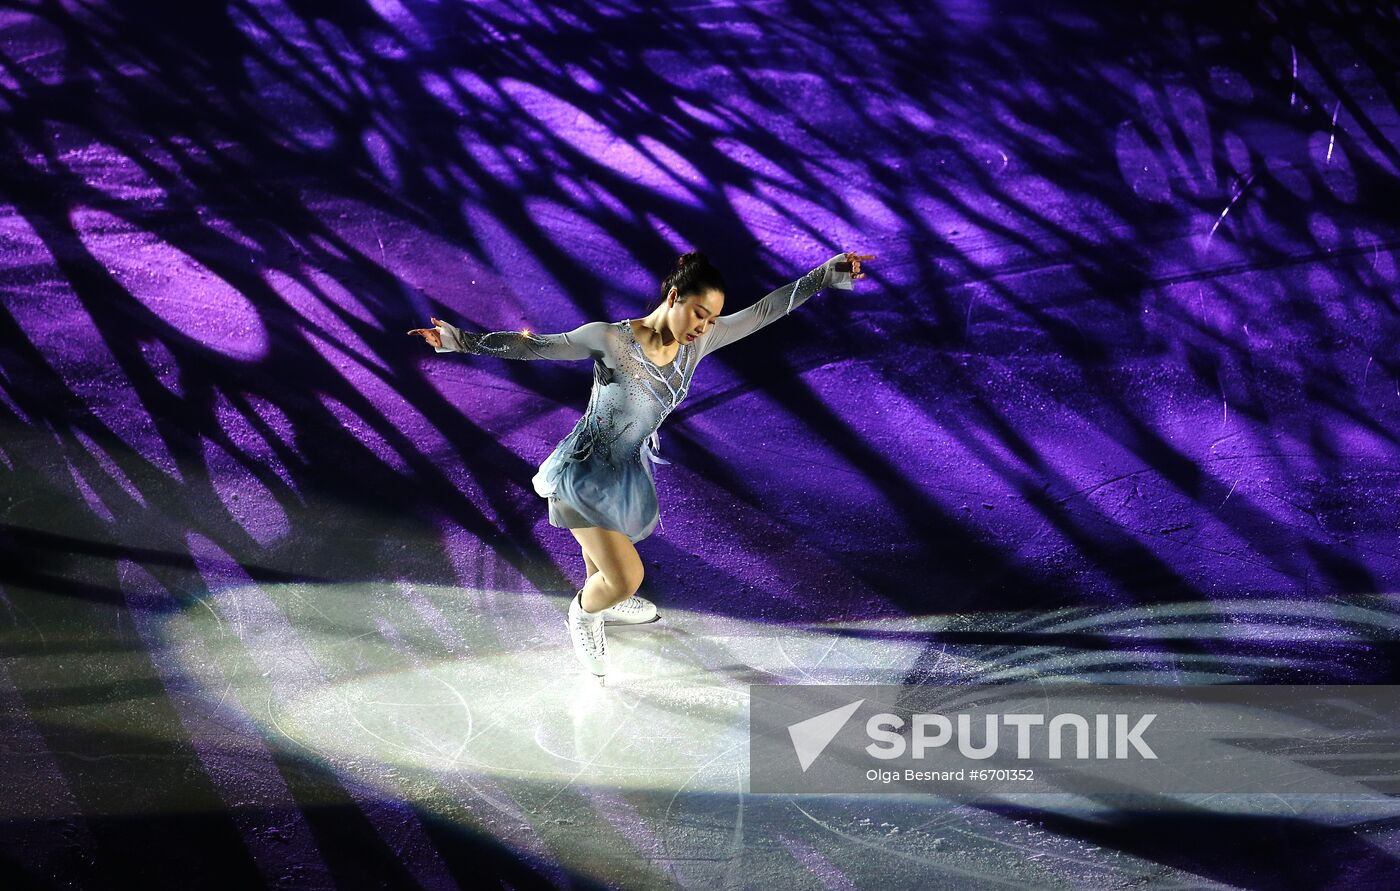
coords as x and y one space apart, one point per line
591 633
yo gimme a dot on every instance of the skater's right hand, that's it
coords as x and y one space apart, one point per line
431 335
852 264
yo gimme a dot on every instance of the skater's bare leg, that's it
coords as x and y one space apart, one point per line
589 566
619 567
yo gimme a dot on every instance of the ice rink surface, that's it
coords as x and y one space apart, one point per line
1116 404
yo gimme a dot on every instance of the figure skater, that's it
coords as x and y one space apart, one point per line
599 479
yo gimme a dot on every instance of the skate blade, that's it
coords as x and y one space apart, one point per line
618 623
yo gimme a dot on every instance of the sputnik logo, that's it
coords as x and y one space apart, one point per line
811 736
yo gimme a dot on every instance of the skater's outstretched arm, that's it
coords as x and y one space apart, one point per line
583 342
834 273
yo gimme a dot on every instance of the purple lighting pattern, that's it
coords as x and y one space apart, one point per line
1117 402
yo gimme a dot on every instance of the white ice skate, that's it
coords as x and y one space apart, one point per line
589 640
632 611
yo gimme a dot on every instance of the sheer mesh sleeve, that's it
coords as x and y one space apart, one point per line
585 341
777 304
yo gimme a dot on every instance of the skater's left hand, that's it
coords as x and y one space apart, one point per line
852 264
431 335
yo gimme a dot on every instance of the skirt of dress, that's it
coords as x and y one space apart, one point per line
593 492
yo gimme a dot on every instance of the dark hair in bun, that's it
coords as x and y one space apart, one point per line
692 274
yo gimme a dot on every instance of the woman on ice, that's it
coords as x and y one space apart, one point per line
599 479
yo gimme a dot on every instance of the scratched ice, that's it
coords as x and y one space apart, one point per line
469 704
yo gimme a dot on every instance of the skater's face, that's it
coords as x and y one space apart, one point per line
690 319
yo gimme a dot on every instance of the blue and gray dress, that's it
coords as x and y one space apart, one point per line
601 473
